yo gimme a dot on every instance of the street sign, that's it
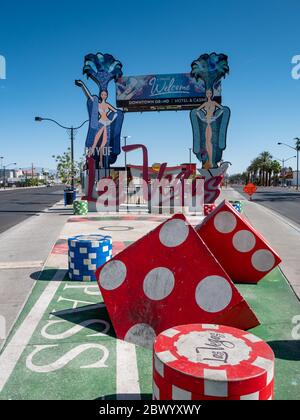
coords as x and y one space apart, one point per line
250 189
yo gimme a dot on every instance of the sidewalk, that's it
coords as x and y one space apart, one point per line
24 249
281 233
63 345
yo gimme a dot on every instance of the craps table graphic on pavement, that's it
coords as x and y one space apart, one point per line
64 336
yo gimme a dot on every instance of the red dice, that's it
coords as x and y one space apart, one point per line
208 208
242 252
169 277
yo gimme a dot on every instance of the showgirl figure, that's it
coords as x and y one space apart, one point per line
210 120
105 121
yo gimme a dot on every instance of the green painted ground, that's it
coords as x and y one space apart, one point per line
55 365
276 305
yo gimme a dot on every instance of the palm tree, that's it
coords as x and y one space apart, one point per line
265 160
275 170
253 170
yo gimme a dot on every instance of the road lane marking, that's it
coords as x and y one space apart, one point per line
18 343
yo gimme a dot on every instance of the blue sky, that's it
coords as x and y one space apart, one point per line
44 44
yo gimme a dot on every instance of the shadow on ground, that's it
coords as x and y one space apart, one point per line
286 349
47 274
84 314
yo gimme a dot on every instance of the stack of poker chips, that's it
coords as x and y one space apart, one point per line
238 205
87 253
208 208
80 207
211 362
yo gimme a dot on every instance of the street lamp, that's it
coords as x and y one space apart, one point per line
71 130
283 161
297 150
190 150
4 169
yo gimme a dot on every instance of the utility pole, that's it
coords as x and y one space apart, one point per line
190 149
297 150
283 162
72 157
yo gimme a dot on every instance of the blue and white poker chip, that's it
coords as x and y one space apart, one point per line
86 254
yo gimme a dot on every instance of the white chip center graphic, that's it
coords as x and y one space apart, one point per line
212 348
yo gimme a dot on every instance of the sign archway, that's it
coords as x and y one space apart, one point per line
198 91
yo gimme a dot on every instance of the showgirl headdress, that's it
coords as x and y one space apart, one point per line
210 68
102 68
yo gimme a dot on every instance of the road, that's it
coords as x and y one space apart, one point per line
20 204
282 200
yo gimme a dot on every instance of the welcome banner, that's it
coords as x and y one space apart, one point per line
161 92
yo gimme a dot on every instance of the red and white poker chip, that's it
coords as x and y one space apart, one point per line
165 391
213 360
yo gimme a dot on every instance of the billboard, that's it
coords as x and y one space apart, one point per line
162 92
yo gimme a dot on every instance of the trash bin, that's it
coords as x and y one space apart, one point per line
69 196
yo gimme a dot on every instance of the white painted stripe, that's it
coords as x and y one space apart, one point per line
83 250
215 383
72 254
92 255
105 248
21 264
170 332
95 244
128 387
210 326
92 267
86 278
87 262
16 346
155 391
253 338
253 396
266 365
180 394
166 356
